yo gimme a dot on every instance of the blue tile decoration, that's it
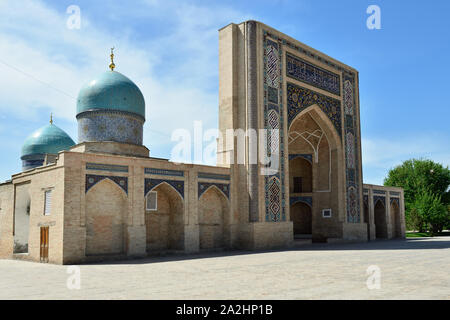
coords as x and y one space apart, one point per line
106 167
164 172
332 109
92 180
379 192
352 162
379 198
301 70
298 99
178 185
215 176
366 199
110 125
274 190
272 95
396 200
307 200
394 193
30 164
307 157
203 186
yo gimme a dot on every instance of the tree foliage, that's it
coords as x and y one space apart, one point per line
427 196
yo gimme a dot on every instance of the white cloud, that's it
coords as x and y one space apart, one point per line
380 155
47 63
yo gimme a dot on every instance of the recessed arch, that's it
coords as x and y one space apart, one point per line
301 217
300 200
217 189
106 212
168 185
213 210
110 180
165 225
322 121
395 219
380 219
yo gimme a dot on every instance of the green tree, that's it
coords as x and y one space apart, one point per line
432 213
425 184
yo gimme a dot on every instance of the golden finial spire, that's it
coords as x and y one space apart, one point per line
51 118
112 65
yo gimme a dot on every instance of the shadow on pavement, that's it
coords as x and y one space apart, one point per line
396 244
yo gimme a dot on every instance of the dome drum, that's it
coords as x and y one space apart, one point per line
110 125
36 161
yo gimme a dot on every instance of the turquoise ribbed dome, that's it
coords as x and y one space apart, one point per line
48 139
111 90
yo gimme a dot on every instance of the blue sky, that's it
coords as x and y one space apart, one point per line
170 49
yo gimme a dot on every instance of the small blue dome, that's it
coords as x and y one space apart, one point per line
111 91
48 139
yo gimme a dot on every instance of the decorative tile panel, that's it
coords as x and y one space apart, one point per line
379 198
307 157
109 126
92 180
177 184
164 172
273 189
352 162
275 194
301 70
203 186
298 99
106 167
307 200
215 176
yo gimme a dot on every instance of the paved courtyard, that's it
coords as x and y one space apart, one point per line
412 269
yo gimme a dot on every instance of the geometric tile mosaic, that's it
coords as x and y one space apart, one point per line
214 176
106 167
164 172
152 183
203 186
298 99
304 71
92 180
307 200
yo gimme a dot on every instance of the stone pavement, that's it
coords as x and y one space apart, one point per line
409 269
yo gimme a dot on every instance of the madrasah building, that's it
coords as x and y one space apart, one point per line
106 197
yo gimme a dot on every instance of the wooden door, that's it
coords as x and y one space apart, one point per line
44 244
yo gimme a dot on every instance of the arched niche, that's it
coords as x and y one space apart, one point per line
165 225
301 217
311 132
22 211
106 210
380 220
395 219
213 209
